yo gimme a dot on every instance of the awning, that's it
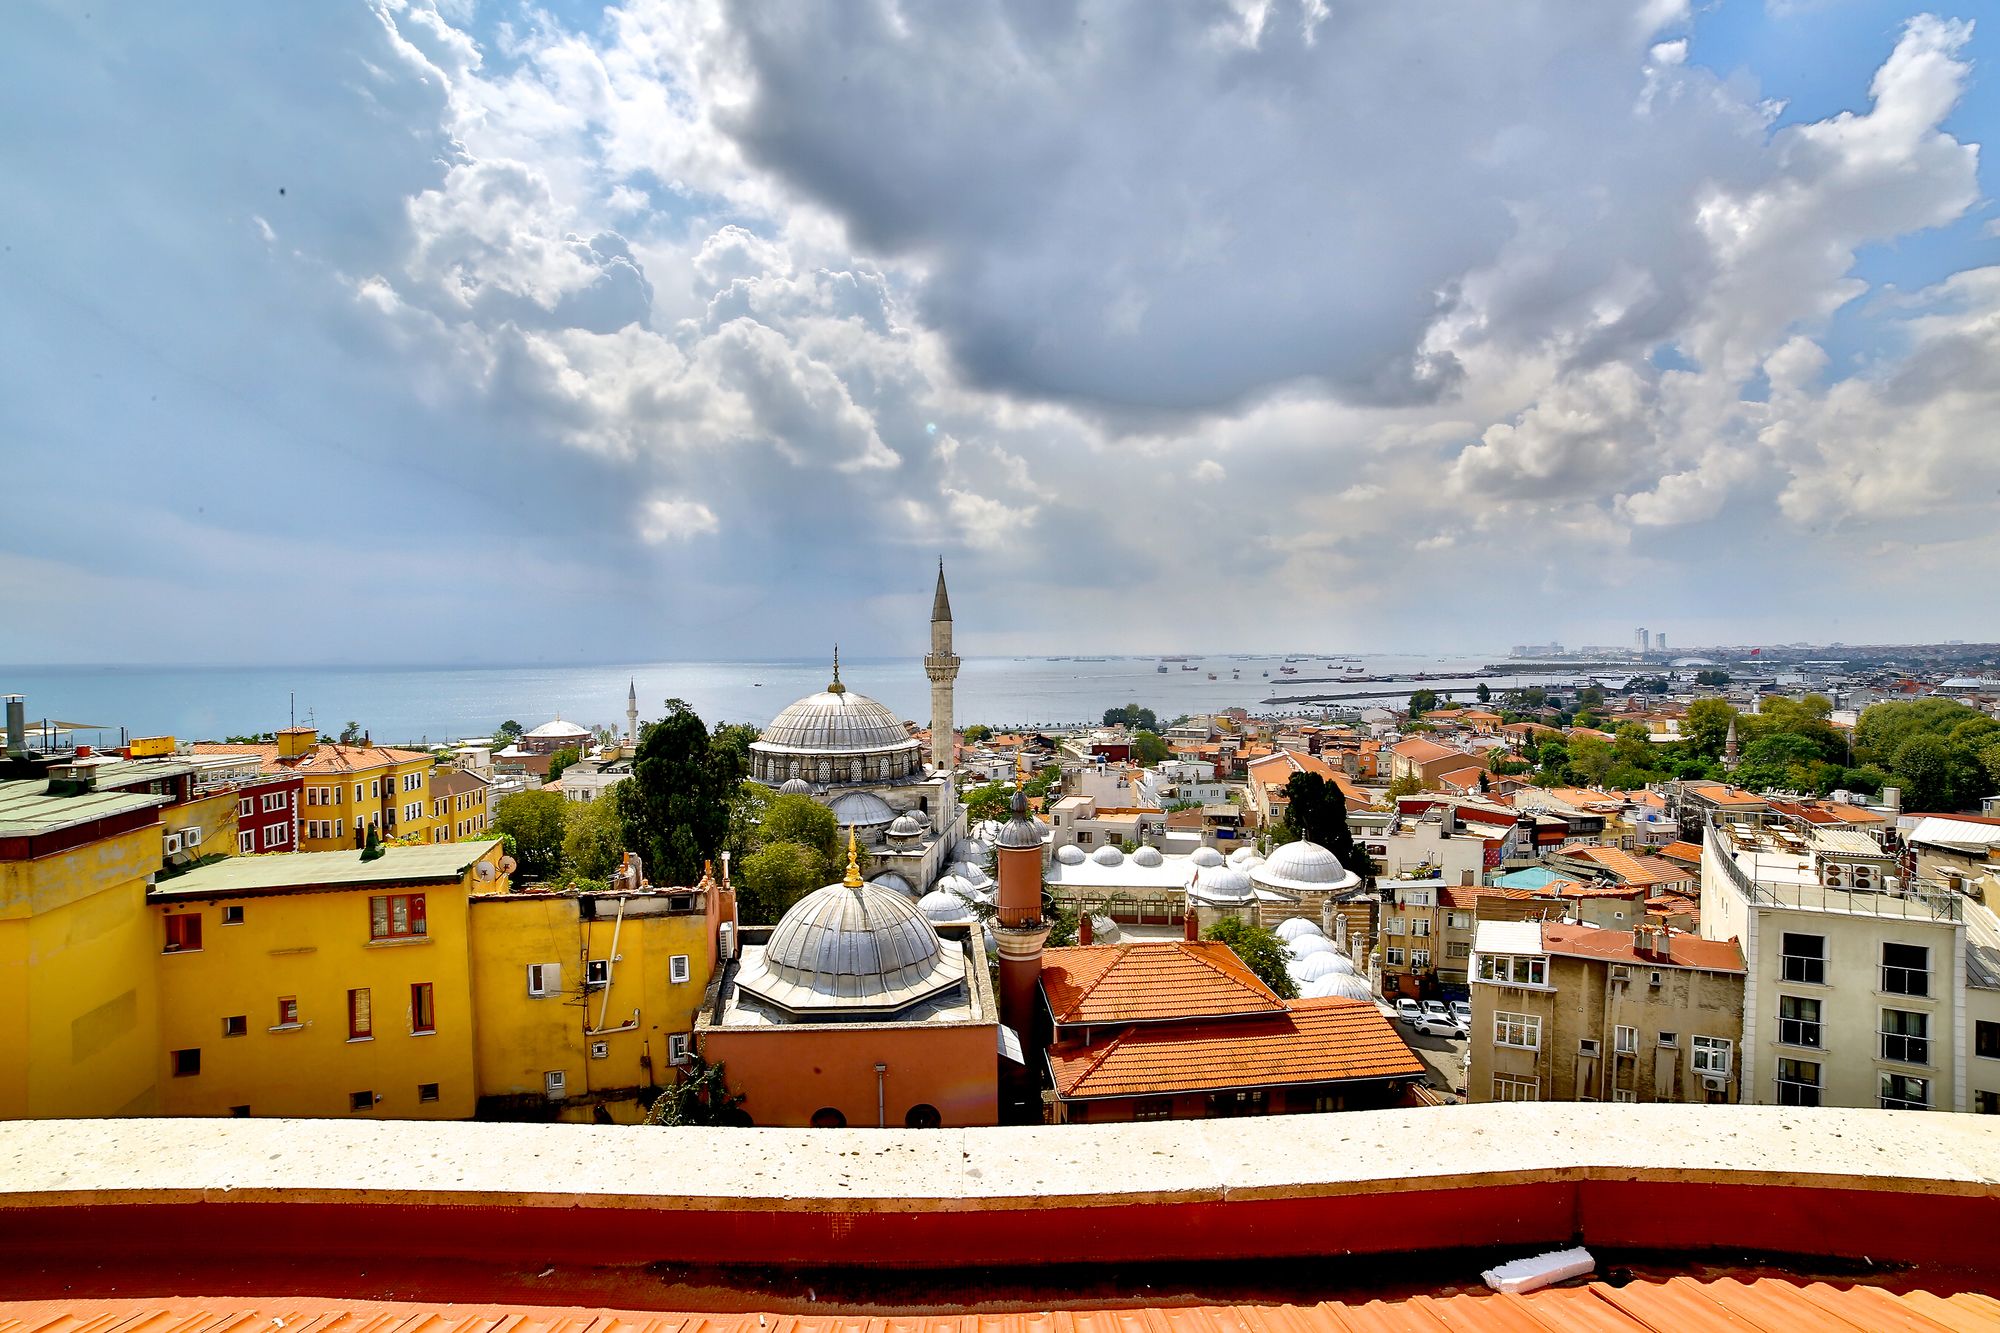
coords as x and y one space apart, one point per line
1010 1045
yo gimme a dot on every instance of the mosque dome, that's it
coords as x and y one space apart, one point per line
969 872
1148 857
1304 866
1305 946
832 722
1071 855
852 949
1107 855
944 908
1244 856
1205 857
1313 967
889 879
974 850
1294 926
1338 986
558 730
795 787
862 809
905 827
1221 884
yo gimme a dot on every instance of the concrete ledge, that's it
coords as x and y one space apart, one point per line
1901 1186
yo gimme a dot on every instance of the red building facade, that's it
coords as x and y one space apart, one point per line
267 813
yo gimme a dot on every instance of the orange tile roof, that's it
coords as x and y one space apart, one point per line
1684 950
1647 1303
1150 981
1632 869
1574 888
325 757
1307 1041
1418 750
1723 794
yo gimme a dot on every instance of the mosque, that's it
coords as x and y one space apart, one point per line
854 756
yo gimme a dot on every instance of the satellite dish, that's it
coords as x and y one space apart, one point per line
507 864
483 871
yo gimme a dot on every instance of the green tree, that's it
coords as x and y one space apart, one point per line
1711 678
1043 780
1261 951
561 760
731 746
988 801
1589 699
1149 749
676 803
1316 810
1421 702
746 805
1483 692
508 732
1131 715
1591 759
350 734
976 733
594 837
1782 759
1706 727
774 877
1923 765
1407 785
802 820
535 820
699 1097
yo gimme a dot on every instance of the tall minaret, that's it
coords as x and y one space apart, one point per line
632 713
1018 926
941 665
1729 757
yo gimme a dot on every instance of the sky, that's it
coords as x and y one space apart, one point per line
438 332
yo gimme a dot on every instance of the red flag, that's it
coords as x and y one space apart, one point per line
1755 651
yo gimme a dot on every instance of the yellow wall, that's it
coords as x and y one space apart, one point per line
522 1038
315 947
214 815
381 791
78 1007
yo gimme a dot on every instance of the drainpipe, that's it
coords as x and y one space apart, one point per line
610 966
881 1097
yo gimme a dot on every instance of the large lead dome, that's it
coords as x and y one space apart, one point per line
836 736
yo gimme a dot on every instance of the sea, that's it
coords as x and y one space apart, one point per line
432 704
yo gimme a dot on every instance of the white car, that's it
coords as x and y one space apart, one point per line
1409 1010
1441 1025
1435 1009
1462 1008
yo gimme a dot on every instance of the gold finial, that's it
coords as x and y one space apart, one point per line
853 880
1020 768
836 687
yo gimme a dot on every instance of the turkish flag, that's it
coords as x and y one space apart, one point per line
1755 651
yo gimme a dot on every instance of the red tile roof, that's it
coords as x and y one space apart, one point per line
1420 751
1684 950
323 758
1689 852
1308 1041
1631 869
1151 981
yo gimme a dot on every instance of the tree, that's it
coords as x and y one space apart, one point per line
802 820
700 1096
1261 951
594 837
1711 678
1131 715
350 734
1421 702
1149 748
1316 810
508 732
561 760
1407 785
988 801
534 820
1483 693
1589 699
1782 759
1706 727
774 877
1591 759
675 804
731 746
976 732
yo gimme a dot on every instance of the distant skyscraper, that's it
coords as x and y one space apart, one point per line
1639 640
1660 642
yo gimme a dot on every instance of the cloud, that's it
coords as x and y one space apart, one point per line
1208 470
666 518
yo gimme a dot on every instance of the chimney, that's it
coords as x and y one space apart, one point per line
1083 929
17 727
1191 924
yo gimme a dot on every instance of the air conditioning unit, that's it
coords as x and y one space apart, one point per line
1621 974
172 844
726 940
600 1050
1714 1083
191 837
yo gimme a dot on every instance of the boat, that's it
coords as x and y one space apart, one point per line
1211 675
1286 671
1161 668
1186 667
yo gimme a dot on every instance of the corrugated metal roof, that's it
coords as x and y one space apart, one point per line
1680 1303
431 862
27 809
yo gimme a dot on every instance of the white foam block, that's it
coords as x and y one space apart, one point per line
1518 1275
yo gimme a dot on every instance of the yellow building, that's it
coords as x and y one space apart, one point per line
458 805
320 984
348 788
587 1000
79 1015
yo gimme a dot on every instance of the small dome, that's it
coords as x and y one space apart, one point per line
1305 946
1205 857
922 817
966 870
1313 966
842 950
1341 962
972 849
1071 855
862 809
1221 884
559 730
1339 986
1244 856
905 827
889 879
1107 855
1148 857
795 787
941 908
1294 926
1305 861
1103 930
957 884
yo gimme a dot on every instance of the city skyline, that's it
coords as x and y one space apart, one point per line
443 334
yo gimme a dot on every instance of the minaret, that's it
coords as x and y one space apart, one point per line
632 713
1729 756
1018 927
941 665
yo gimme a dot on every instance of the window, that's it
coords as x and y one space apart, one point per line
1587 1048
1153 1108
1985 1103
1670 1039
274 835
1906 969
1906 1037
1900 1092
544 979
1460 921
597 973
1803 959
187 1063
183 933
396 916
677 968
1523 1031
828 1118
1458 949
1624 1095
1420 925
273 801
288 1011
414 810
1798 1021
1419 959
1509 970
1711 1055
1393 957
677 1048
246 843
375 788
232 916
1798 1083
1986 1039
1625 1040
423 1013
339 828
360 1014
236 1025
246 808
360 1101
427 1092
1512 1088
1394 925
357 792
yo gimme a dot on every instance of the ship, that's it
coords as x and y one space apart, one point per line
1161 668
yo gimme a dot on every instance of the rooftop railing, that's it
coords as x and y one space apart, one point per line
1920 899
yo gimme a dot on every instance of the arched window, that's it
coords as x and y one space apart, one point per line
828 1118
923 1116
794 769
825 771
855 769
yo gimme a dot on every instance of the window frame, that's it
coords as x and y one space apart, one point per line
1790 1088
1900 1047
1526 1026
680 968
423 1009
382 917
1902 974
177 923
1624 1039
1519 1088
361 1013
1900 1083
288 1012
1702 1051
1814 963
1798 1027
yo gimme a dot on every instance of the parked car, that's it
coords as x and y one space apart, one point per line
1409 1010
1442 1025
1463 1008
1435 1009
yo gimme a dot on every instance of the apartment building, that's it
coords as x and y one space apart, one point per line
1568 1012
458 805
346 789
1863 987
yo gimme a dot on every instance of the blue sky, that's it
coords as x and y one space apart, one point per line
480 332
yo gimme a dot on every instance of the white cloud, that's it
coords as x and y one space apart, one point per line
1208 470
667 518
